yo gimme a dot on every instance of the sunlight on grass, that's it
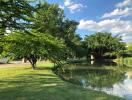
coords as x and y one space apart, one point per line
23 83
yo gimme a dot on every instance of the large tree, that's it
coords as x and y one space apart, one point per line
32 47
44 34
50 19
99 44
14 15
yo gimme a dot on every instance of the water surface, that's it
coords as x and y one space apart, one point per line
109 77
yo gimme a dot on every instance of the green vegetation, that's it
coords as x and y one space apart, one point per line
23 83
129 48
127 61
101 44
37 31
128 51
42 31
33 30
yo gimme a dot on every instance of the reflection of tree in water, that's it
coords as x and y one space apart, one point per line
94 77
97 63
102 63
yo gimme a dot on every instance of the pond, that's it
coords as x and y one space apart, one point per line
108 77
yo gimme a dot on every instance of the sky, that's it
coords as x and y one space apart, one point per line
114 16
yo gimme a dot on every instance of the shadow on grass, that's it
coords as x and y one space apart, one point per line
45 86
33 79
43 68
51 92
31 87
39 68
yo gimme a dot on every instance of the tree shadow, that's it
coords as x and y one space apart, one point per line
44 87
40 68
29 87
43 68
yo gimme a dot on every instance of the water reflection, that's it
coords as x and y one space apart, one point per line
122 89
111 78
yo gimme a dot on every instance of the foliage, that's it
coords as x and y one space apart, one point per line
49 19
100 43
14 14
36 31
42 30
129 48
33 46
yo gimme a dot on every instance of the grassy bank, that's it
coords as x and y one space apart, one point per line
126 61
23 83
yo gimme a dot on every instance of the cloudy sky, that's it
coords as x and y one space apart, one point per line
113 16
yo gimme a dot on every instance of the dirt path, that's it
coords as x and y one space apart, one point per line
14 64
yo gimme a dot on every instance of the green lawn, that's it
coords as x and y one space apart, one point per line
23 83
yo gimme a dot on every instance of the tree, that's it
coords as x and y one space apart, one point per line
14 15
99 44
129 48
49 19
128 51
75 45
33 46
39 30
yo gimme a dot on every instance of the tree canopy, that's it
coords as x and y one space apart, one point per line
100 43
33 46
36 30
14 14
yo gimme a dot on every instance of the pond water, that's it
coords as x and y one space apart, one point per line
109 77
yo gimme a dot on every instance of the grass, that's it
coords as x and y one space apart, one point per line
23 83
127 61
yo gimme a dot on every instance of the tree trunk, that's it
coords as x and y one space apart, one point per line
24 60
33 61
34 65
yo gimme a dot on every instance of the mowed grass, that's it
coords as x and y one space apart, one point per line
23 83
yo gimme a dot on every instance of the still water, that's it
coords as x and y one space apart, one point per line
109 77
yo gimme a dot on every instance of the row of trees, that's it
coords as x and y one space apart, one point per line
31 29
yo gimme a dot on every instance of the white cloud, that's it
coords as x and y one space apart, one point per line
124 3
123 9
113 21
72 6
109 25
67 2
75 7
62 7
119 12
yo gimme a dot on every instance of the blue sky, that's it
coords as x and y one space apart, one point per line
113 16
